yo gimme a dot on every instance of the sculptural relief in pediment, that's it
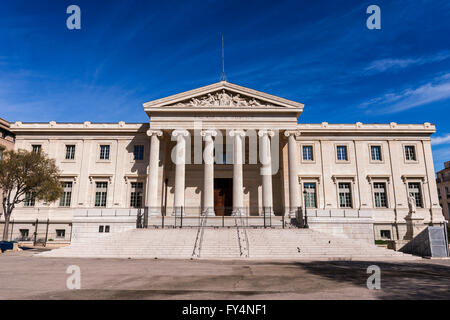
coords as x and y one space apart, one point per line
222 98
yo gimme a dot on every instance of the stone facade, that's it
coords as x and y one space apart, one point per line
7 139
224 146
443 185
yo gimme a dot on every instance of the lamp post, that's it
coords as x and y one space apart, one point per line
305 217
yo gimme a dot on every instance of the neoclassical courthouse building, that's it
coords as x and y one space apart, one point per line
224 149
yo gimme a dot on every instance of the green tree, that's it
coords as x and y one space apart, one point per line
27 173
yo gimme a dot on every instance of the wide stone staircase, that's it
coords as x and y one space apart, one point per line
227 243
310 244
138 243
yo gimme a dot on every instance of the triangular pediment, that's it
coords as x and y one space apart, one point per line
222 96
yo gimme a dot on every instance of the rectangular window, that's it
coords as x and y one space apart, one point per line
104 152
138 152
67 195
70 152
24 234
37 148
1 154
29 200
310 195
308 153
60 233
380 195
385 234
345 195
101 194
446 191
415 191
341 153
375 152
136 194
410 153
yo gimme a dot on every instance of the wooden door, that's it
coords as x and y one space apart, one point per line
223 196
219 201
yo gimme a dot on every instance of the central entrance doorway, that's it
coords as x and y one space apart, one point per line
223 196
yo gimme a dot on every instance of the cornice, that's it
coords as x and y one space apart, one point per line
358 128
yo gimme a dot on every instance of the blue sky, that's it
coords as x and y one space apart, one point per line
316 52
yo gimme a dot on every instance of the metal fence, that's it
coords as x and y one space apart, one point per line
40 232
223 217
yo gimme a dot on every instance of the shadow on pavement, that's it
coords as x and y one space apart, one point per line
404 280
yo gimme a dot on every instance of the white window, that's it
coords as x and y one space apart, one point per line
70 152
308 153
67 195
24 234
345 195
310 195
104 152
60 233
341 152
380 195
101 194
104 229
415 191
375 152
385 234
29 200
410 153
136 194
37 148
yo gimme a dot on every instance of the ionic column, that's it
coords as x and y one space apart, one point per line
266 170
179 159
294 191
238 180
208 182
153 171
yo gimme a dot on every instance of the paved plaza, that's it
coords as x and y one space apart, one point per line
26 276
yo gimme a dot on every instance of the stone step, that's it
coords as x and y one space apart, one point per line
226 244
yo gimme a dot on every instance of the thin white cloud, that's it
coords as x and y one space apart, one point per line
441 140
395 63
436 90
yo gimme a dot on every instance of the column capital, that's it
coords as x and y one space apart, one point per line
264 132
180 132
294 133
151 133
233 133
208 133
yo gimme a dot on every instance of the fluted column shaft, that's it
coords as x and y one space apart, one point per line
208 182
294 191
266 170
179 159
153 172
238 179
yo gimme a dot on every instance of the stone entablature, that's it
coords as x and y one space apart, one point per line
359 128
86 127
6 136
